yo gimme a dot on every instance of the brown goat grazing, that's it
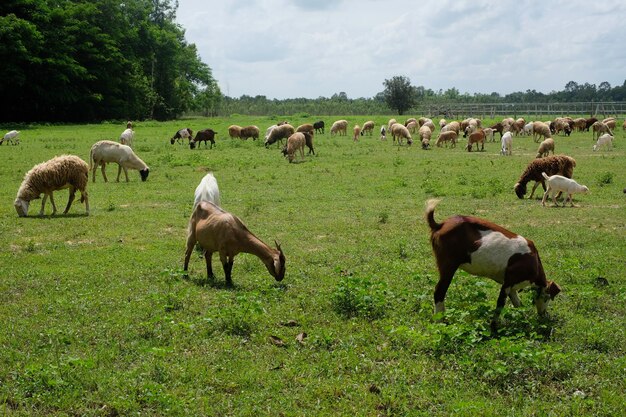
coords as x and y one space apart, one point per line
541 129
307 127
485 249
206 135
498 127
551 165
476 138
279 133
219 231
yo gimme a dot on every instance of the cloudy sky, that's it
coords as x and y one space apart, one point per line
312 48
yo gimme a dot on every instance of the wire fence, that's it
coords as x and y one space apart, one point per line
531 110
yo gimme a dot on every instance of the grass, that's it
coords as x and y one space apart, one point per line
96 319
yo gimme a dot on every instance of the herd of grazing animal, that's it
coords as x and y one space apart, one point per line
472 244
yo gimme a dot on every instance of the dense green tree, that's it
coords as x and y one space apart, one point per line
89 60
399 94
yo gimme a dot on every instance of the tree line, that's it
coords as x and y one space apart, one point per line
93 60
399 96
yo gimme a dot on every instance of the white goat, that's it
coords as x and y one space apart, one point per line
126 138
108 151
605 140
557 183
207 190
507 144
12 136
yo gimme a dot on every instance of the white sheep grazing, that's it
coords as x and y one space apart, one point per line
126 138
66 171
106 151
559 183
12 136
507 144
207 190
605 140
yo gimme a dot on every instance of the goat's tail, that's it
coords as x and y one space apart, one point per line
430 214
545 175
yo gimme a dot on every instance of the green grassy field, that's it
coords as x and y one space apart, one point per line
96 318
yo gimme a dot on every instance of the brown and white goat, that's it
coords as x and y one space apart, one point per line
485 249
219 231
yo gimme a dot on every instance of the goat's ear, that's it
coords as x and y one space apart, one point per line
277 245
553 289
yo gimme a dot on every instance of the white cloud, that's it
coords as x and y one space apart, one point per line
300 48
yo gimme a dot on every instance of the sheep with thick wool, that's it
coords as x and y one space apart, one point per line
66 171
340 127
106 151
445 137
540 130
368 127
545 147
249 132
295 143
400 132
234 131
278 133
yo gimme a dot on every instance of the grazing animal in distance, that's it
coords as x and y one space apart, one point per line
106 151
485 249
13 136
185 133
319 126
206 135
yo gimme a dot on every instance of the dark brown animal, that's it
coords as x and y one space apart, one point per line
206 135
551 165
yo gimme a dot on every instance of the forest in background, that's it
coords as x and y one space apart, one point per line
85 61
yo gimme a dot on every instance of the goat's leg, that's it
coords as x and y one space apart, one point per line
208 257
104 174
514 298
504 293
445 278
126 173
93 172
227 263
70 200
119 172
